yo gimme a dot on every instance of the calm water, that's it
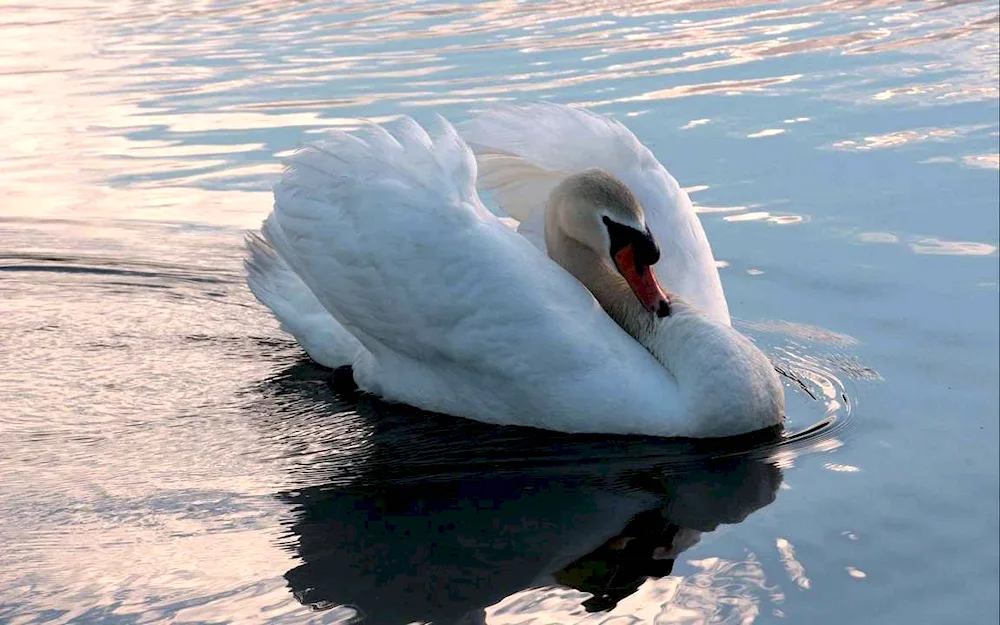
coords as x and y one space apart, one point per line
168 455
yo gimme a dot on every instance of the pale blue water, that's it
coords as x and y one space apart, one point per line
168 456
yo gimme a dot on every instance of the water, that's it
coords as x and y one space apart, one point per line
168 455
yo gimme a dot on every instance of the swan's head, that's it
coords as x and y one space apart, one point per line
598 211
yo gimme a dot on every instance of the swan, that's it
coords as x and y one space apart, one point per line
379 255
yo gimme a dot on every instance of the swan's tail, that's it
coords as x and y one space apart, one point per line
276 285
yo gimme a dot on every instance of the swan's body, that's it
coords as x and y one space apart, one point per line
380 255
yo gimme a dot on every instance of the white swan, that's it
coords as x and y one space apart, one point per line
379 255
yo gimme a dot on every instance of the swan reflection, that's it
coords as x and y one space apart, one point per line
407 516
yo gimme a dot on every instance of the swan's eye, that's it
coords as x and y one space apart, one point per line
645 249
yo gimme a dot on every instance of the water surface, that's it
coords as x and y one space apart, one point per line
168 455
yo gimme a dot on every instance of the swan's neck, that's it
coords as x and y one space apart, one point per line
615 296
607 285
602 280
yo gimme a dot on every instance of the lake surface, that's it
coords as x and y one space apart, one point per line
168 455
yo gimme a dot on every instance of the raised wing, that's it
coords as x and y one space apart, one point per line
523 152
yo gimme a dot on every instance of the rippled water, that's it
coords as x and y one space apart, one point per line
168 455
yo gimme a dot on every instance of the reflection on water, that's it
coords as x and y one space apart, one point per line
161 461
436 519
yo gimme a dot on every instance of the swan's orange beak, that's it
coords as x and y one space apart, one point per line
643 282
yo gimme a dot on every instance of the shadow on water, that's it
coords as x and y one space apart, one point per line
408 516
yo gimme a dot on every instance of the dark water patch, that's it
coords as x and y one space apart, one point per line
111 266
